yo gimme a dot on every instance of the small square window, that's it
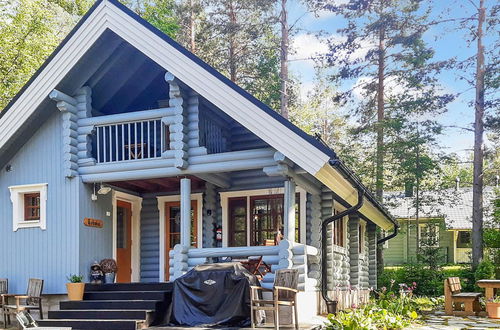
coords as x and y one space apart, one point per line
32 206
29 206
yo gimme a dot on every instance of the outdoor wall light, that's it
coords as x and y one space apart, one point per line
103 190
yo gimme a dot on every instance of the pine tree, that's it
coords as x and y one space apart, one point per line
387 74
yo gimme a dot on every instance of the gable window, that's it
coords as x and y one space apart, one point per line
29 206
32 206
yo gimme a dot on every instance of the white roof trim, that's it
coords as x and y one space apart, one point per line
107 15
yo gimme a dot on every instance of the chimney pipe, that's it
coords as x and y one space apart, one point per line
457 183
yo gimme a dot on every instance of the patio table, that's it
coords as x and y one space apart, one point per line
489 286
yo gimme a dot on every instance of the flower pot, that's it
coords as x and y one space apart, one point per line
493 310
109 278
75 291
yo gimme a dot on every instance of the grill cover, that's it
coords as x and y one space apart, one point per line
213 294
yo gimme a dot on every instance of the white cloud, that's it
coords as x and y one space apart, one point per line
306 46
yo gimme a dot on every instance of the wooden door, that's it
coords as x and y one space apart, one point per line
173 228
124 241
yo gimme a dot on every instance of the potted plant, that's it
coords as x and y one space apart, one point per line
109 269
75 287
493 307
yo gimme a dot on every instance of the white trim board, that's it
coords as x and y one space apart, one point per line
18 215
136 203
198 197
224 197
109 16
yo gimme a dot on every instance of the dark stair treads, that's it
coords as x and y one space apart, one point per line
120 306
111 304
129 287
103 314
125 295
78 324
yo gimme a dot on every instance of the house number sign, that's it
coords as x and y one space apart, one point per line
89 222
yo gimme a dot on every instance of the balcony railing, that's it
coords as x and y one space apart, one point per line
129 141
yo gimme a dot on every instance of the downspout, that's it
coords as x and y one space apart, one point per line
382 240
331 305
324 251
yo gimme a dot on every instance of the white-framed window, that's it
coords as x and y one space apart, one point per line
29 206
429 234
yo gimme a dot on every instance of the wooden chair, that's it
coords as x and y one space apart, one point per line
31 301
4 289
256 266
284 293
453 297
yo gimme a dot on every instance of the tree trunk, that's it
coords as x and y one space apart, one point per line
192 27
284 59
477 189
232 43
379 173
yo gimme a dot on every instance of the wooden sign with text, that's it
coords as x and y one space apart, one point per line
96 223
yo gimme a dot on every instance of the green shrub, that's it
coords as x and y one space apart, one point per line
369 317
485 270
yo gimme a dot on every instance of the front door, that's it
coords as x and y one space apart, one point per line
173 228
124 241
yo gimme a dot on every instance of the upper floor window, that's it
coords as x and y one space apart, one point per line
29 206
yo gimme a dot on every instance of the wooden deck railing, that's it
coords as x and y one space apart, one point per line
129 141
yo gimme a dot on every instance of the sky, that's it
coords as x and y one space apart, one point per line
446 43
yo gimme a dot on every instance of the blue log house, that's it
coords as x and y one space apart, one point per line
185 152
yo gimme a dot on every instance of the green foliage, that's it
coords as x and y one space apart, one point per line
429 281
73 278
367 318
159 13
29 31
485 270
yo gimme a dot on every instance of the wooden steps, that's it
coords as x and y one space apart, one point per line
114 306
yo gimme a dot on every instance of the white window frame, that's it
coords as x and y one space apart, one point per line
224 196
422 225
17 197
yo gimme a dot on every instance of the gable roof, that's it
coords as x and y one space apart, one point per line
454 206
303 149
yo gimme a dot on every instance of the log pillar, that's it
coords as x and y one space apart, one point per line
354 258
186 212
372 254
289 211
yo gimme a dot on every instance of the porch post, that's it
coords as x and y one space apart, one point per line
186 212
289 210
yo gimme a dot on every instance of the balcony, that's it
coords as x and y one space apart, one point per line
129 141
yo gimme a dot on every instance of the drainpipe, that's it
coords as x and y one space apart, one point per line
331 304
382 240
348 174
